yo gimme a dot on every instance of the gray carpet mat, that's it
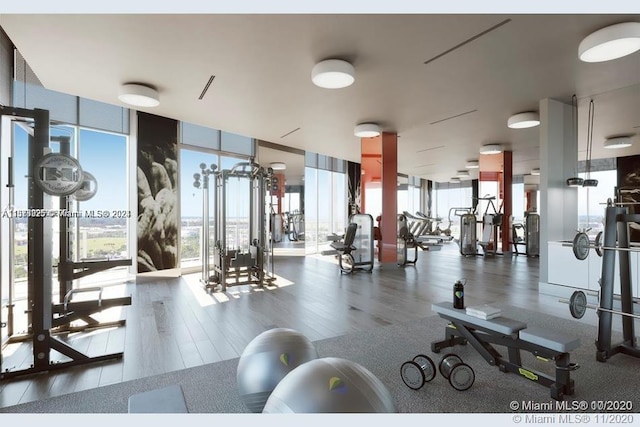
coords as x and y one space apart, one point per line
212 388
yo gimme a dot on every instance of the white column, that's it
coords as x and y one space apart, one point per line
558 161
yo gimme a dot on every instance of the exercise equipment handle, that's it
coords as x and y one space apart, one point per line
72 292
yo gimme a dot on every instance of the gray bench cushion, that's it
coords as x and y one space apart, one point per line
164 400
550 339
501 325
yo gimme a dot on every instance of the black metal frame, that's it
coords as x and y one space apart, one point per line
616 234
44 315
459 332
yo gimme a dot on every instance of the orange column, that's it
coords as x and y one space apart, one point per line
379 163
389 197
507 198
499 168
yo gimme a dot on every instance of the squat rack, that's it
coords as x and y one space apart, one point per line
44 316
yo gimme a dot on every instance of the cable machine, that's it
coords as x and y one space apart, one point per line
56 174
242 250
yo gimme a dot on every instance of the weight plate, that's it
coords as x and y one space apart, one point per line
581 246
598 243
58 174
578 304
412 375
88 189
427 366
462 377
446 363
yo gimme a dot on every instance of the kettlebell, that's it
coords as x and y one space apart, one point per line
458 295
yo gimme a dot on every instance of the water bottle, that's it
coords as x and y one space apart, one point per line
458 295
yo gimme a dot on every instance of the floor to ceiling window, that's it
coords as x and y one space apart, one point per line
325 200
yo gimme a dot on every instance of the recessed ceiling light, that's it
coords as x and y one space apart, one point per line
535 171
139 95
366 130
472 164
278 166
491 149
618 142
333 74
610 42
523 120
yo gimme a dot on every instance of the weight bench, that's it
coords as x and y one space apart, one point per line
516 337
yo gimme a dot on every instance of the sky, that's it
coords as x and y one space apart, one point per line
102 154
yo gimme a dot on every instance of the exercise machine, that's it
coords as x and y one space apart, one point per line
294 225
355 248
406 241
527 235
242 250
491 225
50 174
616 241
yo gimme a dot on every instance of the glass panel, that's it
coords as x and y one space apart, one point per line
238 144
103 116
324 207
311 210
339 198
104 155
191 206
311 159
62 107
518 203
199 136
590 211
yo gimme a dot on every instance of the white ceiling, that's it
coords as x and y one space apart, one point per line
262 86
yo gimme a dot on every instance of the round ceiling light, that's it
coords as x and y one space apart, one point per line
462 174
278 166
611 42
535 171
491 149
139 95
455 179
333 74
618 142
366 130
523 120
472 164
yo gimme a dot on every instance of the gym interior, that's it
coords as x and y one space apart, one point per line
424 213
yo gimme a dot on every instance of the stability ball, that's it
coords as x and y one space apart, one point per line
330 385
266 360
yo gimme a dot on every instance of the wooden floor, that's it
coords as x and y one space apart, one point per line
173 324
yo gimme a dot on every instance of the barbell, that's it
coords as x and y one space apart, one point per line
581 246
578 306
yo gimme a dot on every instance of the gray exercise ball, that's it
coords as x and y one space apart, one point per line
266 360
330 385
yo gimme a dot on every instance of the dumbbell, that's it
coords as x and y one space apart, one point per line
415 373
459 374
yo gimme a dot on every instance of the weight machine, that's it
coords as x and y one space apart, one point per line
616 240
56 174
406 240
248 258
